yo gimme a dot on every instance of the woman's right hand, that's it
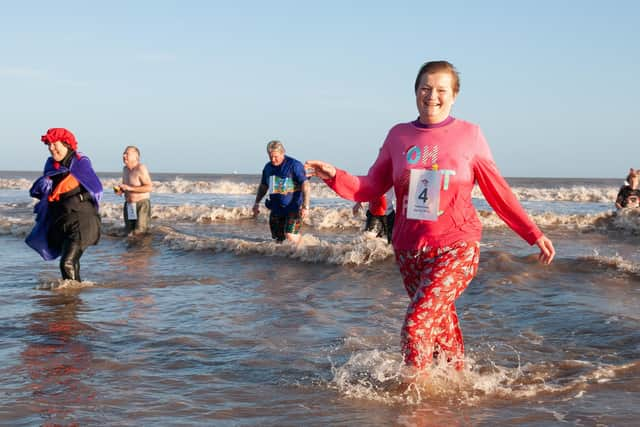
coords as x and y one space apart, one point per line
547 251
320 169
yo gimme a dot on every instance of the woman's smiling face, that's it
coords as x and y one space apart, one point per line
58 150
435 97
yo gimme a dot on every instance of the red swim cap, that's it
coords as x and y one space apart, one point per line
60 134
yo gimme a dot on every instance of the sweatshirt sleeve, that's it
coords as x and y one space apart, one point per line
368 187
499 195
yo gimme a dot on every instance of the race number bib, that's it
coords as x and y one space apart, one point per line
131 212
424 195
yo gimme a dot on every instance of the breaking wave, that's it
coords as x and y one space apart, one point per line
320 190
381 376
625 220
363 250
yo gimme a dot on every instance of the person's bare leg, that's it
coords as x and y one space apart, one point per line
294 238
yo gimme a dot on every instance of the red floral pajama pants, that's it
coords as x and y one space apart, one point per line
434 278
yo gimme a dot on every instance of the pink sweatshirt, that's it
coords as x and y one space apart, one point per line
459 152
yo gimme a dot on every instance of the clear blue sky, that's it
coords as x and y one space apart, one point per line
202 86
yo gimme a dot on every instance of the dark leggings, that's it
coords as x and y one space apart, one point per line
70 260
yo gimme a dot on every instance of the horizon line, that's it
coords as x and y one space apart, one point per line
259 173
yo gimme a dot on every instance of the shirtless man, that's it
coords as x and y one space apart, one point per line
136 186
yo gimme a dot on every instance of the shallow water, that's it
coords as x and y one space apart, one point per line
207 322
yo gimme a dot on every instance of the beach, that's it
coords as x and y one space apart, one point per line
207 321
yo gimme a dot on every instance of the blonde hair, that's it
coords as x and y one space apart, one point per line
275 145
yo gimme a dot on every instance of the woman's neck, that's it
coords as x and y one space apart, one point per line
420 124
66 162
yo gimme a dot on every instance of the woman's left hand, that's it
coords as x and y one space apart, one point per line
320 169
547 251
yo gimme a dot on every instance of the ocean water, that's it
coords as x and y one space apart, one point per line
207 322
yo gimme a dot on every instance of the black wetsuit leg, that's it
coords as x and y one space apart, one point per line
375 224
389 225
70 260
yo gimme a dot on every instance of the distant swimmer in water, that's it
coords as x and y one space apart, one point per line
136 187
433 164
67 220
629 194
286 183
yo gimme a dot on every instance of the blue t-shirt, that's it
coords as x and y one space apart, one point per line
285 186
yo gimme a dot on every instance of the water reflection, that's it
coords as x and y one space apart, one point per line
58 359
135 261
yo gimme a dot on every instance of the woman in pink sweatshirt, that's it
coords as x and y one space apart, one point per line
433 163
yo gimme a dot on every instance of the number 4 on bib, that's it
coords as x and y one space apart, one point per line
424 195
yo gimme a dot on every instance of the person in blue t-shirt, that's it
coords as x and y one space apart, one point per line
286 182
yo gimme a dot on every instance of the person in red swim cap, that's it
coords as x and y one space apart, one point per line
69 192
